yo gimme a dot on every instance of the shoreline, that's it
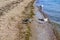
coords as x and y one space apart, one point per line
46 16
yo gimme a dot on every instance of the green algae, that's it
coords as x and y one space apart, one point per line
28 33
28 13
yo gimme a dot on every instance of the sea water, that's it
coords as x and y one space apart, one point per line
51 8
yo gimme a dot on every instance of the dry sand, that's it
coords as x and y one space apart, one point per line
10 20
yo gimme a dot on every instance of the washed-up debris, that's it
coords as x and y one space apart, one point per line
41 19
26 21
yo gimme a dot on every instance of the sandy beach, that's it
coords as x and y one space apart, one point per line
12 14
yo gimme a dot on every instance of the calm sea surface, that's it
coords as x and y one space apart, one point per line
51 7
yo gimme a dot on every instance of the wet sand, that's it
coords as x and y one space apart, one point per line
42 31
